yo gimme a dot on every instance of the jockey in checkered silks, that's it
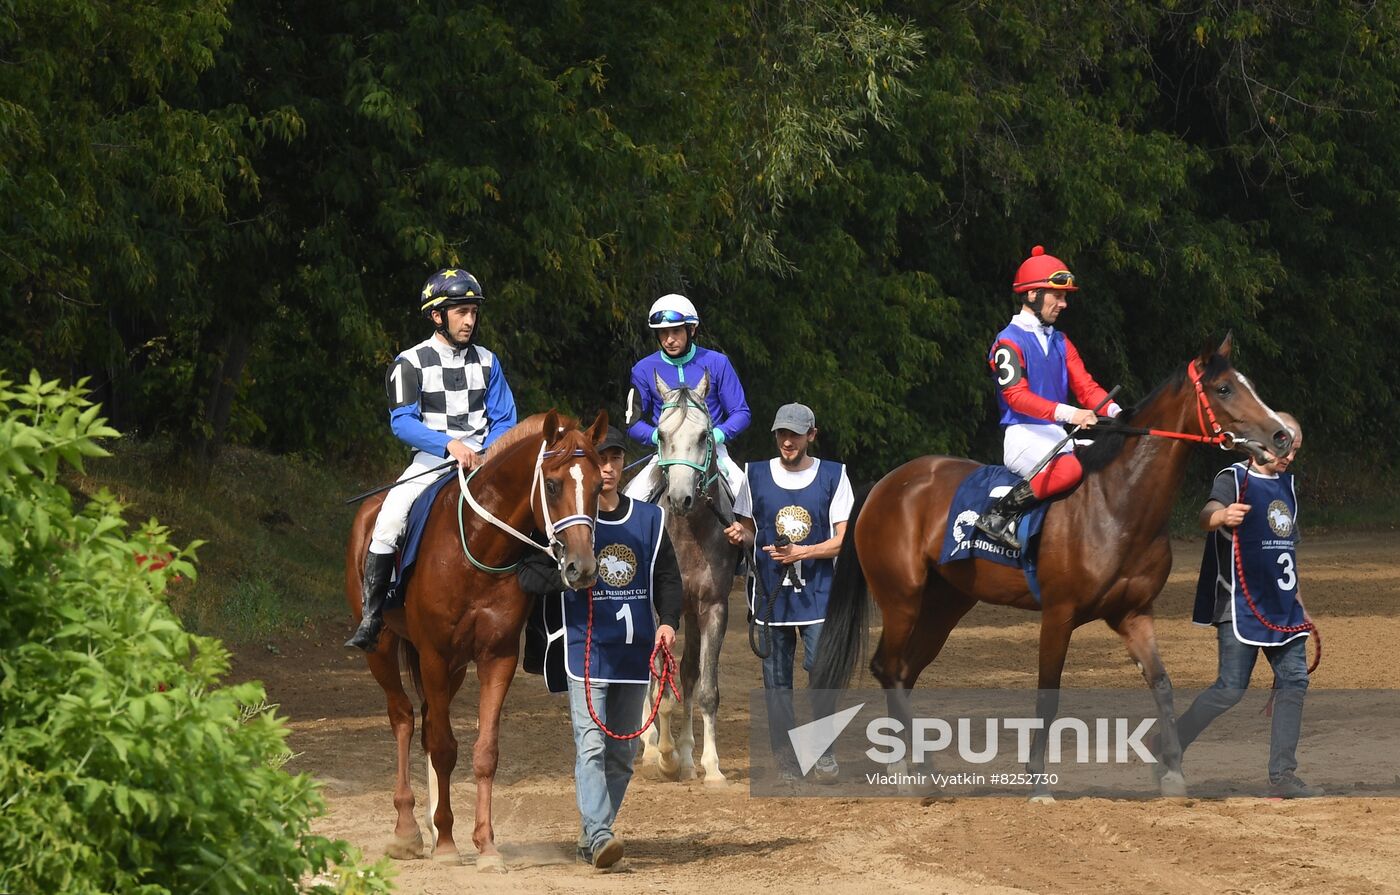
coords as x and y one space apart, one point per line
680 361
448 397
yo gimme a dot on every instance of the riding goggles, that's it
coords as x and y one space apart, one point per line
1060 279
669 317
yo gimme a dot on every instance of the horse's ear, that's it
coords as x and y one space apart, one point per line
551 426
704 386
1210 350
599 428
1224 349
662 389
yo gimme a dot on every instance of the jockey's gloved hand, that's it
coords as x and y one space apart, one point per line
538 574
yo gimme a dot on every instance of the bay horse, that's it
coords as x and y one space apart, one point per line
541 478
1104 551
687 462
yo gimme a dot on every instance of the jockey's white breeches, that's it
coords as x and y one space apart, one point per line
389 525
1026 445
644 483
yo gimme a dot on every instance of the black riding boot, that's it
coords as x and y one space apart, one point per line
379 567
999 520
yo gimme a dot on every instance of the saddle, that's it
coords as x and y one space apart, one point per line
412 537
974 497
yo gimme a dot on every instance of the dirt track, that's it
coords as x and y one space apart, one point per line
685 837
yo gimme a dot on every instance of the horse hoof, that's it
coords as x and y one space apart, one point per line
687 772
490 864
715 781
669 766
406 848
449 856
1042 798
1173 785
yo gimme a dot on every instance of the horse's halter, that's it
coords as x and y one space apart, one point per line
705 478
555 546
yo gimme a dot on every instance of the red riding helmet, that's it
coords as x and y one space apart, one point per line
1042 271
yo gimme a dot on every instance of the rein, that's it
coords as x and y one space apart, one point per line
551 528
665 676
1205 418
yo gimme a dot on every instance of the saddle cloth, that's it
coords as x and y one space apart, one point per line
413 536
974 497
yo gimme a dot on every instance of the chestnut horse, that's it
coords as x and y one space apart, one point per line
1104 552
462 608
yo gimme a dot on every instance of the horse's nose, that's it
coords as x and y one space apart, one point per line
571 571
1283 442
686 503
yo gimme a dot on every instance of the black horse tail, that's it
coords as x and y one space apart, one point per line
843 634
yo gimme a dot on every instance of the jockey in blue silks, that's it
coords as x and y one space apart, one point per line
681 362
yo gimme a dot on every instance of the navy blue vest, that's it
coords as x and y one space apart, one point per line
1047 374
1264 547
624 621
805 517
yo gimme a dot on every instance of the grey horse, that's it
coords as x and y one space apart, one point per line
695 503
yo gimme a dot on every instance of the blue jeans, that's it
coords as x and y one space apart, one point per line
1290 663
777 680
603 765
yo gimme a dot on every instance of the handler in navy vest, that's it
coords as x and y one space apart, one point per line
1252 519
639 584
805 501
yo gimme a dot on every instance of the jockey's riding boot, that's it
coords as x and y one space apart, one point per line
379 567
997 523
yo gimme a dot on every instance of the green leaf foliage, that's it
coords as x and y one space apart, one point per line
125 765
224 216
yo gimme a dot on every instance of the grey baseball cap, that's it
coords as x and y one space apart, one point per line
797 418
613 439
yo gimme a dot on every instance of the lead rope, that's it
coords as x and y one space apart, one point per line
1307 624
665 675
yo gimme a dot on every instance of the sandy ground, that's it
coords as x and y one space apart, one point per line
686 837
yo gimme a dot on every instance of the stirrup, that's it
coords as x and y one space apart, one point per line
999 528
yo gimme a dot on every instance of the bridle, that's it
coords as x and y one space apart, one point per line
709 469
1205 418
554 547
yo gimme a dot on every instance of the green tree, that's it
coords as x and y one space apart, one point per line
125 766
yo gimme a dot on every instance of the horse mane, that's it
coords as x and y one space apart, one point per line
532 428
1108 446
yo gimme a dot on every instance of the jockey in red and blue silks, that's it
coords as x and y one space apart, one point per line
1037 369
681 362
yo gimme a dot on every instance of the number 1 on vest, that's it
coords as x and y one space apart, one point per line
625 614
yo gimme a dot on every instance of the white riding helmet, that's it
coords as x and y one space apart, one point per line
672 310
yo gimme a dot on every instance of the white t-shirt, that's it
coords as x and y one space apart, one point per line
841 501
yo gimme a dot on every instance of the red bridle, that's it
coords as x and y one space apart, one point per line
1205 418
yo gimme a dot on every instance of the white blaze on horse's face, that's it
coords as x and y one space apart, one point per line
684 450
1240 411
576 473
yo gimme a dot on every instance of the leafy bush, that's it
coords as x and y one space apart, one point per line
124 765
